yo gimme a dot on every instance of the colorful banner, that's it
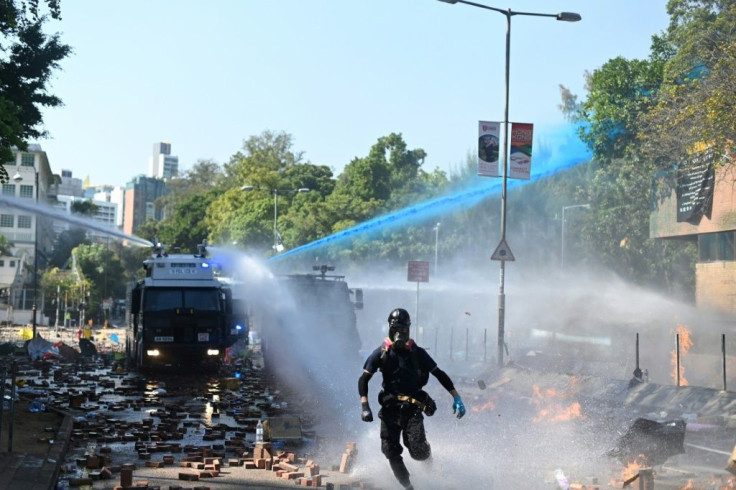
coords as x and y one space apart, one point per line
488 148
520 160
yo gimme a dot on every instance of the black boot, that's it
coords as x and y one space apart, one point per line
400 471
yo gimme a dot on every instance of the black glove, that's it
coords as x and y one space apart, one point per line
366 415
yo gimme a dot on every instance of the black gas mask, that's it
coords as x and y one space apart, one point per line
399 322
399 335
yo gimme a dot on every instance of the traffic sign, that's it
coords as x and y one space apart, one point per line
503 252
418 271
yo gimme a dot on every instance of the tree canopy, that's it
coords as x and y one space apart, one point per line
28 57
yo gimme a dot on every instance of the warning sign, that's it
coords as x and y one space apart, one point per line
502 252
418 271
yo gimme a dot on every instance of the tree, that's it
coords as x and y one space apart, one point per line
388 172
266 163
618 94
6 247
185 205
67 241
617 125
104 272
695 106
84 208
28 56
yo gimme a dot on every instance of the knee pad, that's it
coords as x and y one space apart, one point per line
420 451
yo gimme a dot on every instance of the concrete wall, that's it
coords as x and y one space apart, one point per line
715 286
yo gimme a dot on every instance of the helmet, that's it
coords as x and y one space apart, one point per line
399 318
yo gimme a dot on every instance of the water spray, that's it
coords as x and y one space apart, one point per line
49 212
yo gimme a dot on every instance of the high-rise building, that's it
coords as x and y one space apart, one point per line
140 202
162 164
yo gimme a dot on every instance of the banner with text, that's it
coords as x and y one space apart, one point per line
520 160
488 148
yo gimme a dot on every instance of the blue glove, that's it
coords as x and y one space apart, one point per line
458 406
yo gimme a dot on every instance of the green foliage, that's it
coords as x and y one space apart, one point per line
642 116
84 208
67 241
28 56
695 105
103 271
619 92
6 247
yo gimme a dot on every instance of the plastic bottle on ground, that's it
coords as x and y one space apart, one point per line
259 432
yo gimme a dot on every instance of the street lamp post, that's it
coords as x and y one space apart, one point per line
436 243
276 246
562 235
19 178
508 13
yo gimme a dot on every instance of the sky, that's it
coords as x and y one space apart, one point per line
334 74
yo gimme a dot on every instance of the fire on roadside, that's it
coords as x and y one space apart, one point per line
686 343
631 470
482 407
552 406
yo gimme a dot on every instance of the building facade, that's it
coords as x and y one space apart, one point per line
702 208
25 225
70 186
140 199
105 218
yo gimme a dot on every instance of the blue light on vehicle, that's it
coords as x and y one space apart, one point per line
205 265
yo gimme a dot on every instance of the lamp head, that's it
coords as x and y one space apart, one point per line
449 1
565 16
17 177
246 188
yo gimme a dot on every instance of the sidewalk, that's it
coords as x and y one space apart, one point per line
22 471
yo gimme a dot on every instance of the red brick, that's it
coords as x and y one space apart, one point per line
126 477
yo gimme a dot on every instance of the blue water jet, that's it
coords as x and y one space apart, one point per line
555 150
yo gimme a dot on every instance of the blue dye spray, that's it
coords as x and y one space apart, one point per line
555 150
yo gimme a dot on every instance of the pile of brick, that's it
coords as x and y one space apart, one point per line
283 464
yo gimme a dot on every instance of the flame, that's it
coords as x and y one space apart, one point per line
690 485
489 405
550 410
631 470
685 344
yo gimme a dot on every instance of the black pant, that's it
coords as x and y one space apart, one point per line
403 421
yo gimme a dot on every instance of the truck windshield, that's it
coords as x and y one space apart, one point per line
163 299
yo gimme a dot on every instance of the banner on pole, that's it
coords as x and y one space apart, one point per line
488 148
520 159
